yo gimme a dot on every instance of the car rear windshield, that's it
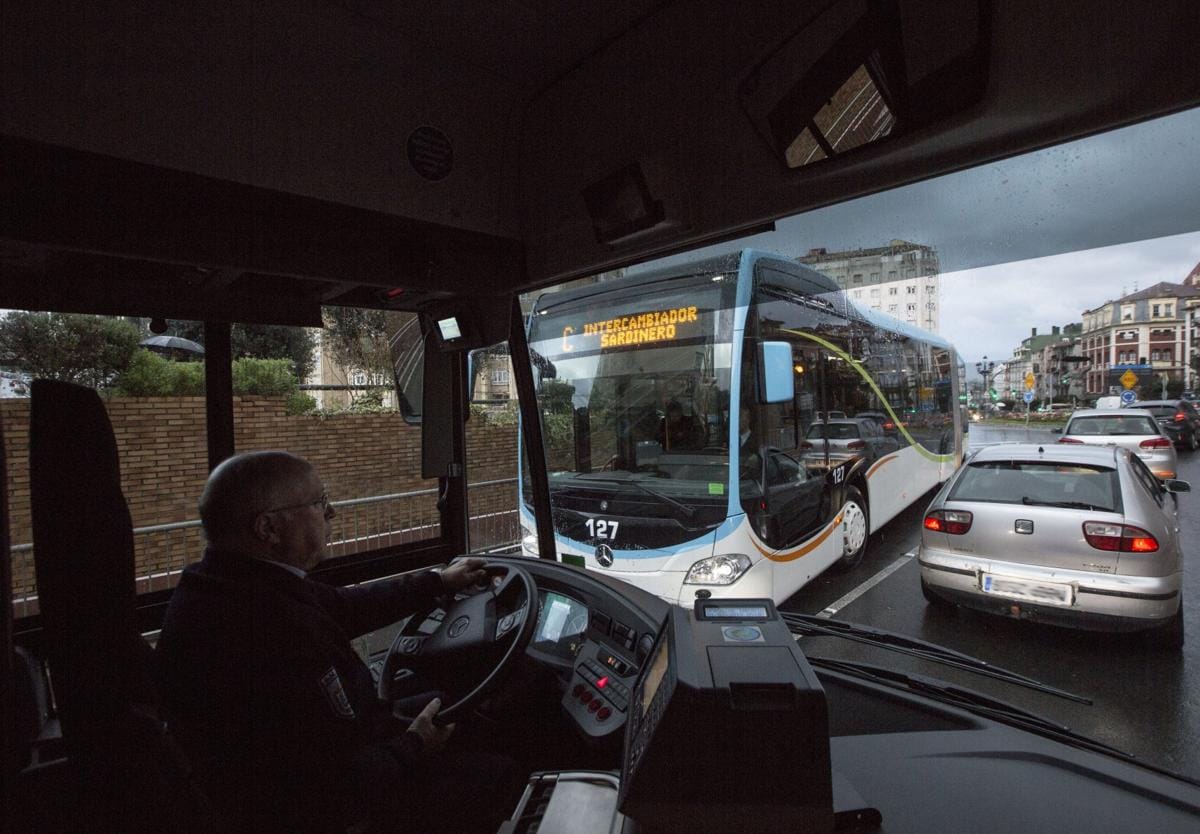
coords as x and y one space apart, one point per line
1112 425
1040 483
834 431
1161 410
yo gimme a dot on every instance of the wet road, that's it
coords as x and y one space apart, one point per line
1147 702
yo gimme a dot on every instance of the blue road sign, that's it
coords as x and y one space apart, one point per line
1028 396
1128 397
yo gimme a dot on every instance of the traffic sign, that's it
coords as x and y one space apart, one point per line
1028 396
1129 379
1030 382
1128 397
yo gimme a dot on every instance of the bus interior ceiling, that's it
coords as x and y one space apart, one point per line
256 163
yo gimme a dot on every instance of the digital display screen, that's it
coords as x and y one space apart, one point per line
654 326
736 612
449 329
654 676
561 620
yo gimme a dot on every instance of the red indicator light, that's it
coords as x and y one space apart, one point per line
603 682
393 293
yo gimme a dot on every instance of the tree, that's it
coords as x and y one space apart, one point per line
89 350
360 340
259 341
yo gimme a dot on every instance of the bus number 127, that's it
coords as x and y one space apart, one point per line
599 528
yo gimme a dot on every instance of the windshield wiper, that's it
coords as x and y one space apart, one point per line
1071 505
688 512
968 699
810 626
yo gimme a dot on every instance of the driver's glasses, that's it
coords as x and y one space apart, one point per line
322 503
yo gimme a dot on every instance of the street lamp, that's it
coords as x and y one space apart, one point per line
985 368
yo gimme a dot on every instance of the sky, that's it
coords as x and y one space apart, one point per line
1033 240
987 311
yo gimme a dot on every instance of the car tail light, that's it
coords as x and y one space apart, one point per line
1125 538
856 444
1180 416
806 445
954 522
1155 443
1069 440
889 425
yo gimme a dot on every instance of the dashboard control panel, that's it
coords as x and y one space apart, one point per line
598 694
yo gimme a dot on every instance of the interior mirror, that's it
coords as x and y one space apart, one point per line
775 378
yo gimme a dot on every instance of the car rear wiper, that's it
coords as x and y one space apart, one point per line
968 699
809 626
1071 505
688 512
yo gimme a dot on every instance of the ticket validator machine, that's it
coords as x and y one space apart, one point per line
727 731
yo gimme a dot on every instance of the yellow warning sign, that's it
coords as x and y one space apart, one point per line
1128 379
1030 381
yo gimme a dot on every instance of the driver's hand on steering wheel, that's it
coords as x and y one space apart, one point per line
433 738
464 574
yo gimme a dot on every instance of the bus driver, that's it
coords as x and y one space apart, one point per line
266 694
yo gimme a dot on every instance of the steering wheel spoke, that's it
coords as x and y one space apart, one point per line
471 625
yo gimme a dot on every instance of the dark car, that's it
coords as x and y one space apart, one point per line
1179 419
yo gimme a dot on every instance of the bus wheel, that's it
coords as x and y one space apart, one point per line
855 529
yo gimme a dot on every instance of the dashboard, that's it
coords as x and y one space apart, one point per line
596 639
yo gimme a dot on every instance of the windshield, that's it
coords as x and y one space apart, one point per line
833 431
1112 426
633 388
1064 279
1043 483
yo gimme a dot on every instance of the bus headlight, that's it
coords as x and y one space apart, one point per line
723 569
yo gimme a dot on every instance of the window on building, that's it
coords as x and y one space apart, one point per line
875 293
930 288
911 289
1169 310
858 277
912 308
1157 311
875 277
893 291
891 275
499 376
858 293
892 308
358 378
930 305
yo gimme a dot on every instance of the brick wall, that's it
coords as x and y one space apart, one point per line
164 461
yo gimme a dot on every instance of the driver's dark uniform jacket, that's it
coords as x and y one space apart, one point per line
265 693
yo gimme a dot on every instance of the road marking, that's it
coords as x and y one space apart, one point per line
839 604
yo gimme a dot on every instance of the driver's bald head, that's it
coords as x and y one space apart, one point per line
242 487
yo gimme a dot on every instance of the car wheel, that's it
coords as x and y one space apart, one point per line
932 598
1170 636
856 528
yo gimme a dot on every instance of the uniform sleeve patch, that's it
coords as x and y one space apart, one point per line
331 684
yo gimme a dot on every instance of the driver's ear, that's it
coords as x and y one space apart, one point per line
264 528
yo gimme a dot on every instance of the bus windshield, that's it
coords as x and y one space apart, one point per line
633 390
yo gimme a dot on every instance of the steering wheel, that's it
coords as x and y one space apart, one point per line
471 624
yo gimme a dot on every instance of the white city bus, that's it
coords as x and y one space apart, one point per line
691 429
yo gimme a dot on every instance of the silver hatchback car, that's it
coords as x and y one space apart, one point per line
1076 535
1129 428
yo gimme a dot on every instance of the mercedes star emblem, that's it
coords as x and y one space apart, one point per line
604 556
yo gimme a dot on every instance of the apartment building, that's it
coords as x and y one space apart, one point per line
901 279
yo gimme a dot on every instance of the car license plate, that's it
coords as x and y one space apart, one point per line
1045 593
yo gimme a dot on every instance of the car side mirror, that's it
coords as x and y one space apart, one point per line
1056 431
1176 485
